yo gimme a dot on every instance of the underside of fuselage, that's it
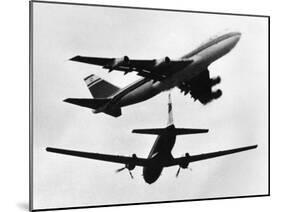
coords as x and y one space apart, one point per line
145 90
151 174
160 154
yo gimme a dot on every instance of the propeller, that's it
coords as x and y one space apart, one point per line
132 177
123 168
178 172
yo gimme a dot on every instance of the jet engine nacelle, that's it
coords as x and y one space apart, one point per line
215 81
217 94
165 60
185 164
120 61
131 166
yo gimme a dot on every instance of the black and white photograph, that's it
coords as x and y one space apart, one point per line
138 105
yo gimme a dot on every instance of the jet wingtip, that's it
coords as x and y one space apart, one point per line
71 100
67 100
255 146
75 58
250 147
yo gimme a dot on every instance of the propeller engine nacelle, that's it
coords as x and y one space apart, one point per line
131 166
215 81
162 61
185 164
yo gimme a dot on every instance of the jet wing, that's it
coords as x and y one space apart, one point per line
194 158
104 157
100 61
107 62
153 69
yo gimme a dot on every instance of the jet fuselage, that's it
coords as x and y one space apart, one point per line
202 57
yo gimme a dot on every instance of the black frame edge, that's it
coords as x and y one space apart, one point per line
149 203
147 8
30 106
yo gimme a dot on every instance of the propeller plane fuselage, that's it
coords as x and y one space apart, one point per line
160 153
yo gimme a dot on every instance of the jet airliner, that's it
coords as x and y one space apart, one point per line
160 155
189 73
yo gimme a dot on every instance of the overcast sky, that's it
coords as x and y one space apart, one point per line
238 118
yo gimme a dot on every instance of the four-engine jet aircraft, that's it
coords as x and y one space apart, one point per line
189 73
160 155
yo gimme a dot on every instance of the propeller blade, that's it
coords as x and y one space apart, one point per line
119 170
178 172
131 174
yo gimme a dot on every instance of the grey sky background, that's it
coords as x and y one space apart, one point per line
238 118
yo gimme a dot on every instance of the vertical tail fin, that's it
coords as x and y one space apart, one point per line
100 88
170 129
170 111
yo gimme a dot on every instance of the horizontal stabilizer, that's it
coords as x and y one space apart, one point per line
186 131
95 104
89 103
170 131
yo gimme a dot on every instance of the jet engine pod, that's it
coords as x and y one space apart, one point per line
120 61
216 94
134 156
167 60
126 60
162 61
215 81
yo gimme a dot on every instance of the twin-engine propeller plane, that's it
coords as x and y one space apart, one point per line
189 73
160 155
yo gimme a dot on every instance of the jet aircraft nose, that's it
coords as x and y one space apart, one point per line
236 37
236 34
232 39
